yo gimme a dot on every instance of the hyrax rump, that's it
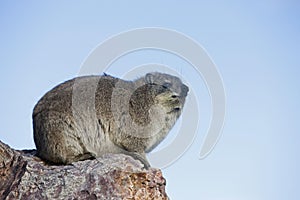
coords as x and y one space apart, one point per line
89 116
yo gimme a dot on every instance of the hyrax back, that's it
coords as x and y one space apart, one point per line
89 116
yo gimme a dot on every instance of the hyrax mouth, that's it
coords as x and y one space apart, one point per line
172 101
175 110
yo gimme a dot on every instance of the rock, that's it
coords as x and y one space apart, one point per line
113 176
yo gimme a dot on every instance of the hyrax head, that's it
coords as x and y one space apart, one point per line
160 99
173 91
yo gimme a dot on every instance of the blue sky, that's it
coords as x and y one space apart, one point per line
255 45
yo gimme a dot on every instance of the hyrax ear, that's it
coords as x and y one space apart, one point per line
149 78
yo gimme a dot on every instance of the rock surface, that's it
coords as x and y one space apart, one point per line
113 176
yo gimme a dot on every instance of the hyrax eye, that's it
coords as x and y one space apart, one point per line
167 85
174 96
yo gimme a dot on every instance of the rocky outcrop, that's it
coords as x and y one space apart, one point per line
113 176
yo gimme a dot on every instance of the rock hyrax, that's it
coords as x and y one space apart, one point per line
89 116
